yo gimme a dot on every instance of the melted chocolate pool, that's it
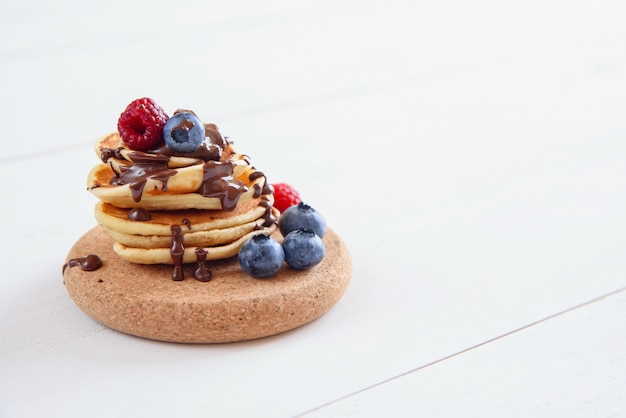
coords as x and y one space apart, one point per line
89 263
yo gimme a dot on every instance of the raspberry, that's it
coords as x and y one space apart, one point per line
285 196
141 124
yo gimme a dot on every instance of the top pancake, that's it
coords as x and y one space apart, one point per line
175 181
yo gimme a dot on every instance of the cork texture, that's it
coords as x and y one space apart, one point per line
144 301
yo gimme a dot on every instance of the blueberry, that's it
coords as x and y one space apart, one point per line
261 256
183 132
301 216
303 249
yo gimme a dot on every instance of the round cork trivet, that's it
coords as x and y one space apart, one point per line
143 300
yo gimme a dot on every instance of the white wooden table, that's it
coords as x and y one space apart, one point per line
471 154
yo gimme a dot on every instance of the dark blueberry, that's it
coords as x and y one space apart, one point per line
183 132
261 256
301 216
303 249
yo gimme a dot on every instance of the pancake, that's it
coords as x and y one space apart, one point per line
164 255
208 238
113 141
174 190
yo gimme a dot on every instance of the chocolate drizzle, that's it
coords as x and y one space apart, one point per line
246 158
143 168
107 153
268 217
207 151
267 188
218 181
177 251
210 149
202 272
89 263
139 215
211 132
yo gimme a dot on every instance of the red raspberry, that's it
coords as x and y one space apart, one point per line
141 124
285 196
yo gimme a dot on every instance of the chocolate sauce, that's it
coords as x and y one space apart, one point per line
186 125
108 153
211 132
139 215
202 272
246 158
268 217
218 181
176 251
153 164
144 167
210 149
187 223
89 263
177 111
207 151
267 188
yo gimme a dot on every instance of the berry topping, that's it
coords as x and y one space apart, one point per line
285 196
141 124
301 216
303 249
261 256
183 132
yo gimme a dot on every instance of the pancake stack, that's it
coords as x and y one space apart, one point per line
163 208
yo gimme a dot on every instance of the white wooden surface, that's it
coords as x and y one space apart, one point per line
471 154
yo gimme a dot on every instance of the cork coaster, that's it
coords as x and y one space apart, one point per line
143 300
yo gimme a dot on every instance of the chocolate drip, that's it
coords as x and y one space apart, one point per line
186 125
218 181
187 223
177 251
246 158
139 215
210 149
206 152
267 188
202 272
108 153
268 217
144 167
211 132
89 263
